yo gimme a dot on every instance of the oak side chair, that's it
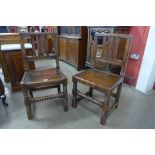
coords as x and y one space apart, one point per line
46 78
108 52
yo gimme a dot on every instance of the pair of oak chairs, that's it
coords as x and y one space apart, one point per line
105 53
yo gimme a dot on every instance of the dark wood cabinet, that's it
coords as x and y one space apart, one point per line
14 63
73 45
103 29
63 48
73 50
11 59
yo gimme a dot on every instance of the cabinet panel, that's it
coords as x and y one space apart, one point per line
16 68
73 51
15 65
4 67
63 48
73 45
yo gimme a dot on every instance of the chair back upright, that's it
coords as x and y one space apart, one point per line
111 51
44 47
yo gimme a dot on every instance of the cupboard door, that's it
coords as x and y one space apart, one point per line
16 68
15 65
4 67
63 48
73 51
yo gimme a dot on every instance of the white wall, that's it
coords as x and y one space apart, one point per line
146 76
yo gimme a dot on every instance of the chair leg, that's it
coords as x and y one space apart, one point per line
31 93
66 97
27 104
3 101
118 94
105 109
28 110
91 92
74 101
59 89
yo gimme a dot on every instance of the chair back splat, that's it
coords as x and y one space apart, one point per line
44 47
109 52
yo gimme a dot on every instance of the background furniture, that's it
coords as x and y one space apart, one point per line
2 94
14 63
11 59
73 45
6 38
106 53
46 78
102 29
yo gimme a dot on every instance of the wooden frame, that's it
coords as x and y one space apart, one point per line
103 81
40 79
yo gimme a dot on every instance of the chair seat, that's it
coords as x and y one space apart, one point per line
43 77
99 80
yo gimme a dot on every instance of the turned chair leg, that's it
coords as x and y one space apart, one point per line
31 93
27 104
90 92
118 94
28 110
3 100
105 109
65 97
74 101
59 89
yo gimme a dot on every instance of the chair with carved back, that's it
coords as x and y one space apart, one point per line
109 53
45 78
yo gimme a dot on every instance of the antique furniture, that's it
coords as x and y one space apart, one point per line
105 53
40 79
73 45
14 63
2 94
11 59
102 29
8 37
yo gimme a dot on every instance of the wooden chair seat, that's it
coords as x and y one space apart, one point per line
98 80
43 77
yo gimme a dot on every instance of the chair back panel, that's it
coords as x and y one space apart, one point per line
111 50
40 46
